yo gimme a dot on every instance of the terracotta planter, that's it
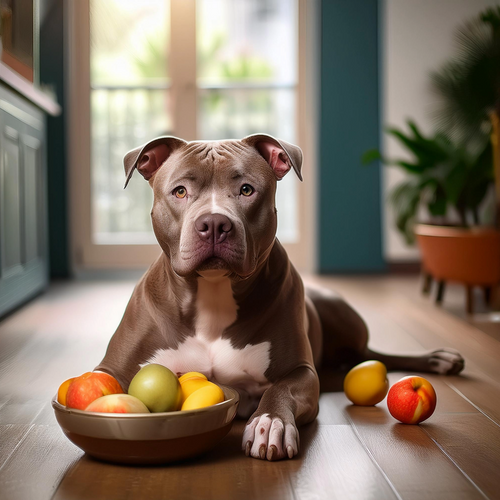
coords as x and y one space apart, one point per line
468 256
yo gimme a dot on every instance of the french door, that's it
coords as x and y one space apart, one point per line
196 69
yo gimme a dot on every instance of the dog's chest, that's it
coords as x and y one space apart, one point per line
212 355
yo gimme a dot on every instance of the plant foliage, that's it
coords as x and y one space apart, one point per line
442 175
468 86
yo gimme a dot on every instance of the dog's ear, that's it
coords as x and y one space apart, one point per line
281 155
150 157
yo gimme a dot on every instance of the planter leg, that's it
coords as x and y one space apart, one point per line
487 295
495 298
427 284
440 292
470 300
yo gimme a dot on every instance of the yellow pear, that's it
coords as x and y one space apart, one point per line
192 385
208 395
366 384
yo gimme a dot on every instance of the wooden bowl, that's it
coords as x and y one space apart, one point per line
148 438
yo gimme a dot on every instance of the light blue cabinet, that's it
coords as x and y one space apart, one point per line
23 201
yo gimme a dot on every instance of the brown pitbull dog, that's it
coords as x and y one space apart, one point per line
224 299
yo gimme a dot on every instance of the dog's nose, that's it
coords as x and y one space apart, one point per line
213 227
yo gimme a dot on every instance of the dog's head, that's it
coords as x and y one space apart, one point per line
214 202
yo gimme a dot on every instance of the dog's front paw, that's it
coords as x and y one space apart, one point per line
268 437
446 361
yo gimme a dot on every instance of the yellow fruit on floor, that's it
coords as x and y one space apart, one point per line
192 385
191 375
63 391
366 384
208 395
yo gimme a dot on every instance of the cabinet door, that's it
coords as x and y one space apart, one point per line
33 200
10 203
23 255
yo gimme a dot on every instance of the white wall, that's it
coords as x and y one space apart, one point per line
418 36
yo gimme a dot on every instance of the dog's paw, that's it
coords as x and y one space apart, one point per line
270 438
446 361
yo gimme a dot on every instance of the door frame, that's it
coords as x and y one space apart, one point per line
85 255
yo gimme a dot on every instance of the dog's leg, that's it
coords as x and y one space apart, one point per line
446 361
271 432
345 340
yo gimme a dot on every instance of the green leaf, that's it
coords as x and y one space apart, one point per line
438 204
405 199
428 152
468 85
455 183
370 156
412 168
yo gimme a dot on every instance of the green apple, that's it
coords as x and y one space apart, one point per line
157 387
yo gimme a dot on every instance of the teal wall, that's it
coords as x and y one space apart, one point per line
350 226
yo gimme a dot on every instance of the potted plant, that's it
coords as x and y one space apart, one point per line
445 186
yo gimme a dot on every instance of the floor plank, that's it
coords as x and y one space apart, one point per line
37 465
473 443
336 466
10 437
17 411
480 392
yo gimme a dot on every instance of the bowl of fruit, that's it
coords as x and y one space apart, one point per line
162 418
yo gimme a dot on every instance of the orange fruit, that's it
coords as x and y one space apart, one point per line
63 390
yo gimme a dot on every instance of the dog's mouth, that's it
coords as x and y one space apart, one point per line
213 263
228 258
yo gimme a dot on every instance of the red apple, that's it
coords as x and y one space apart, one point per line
117 403
412 400
90 386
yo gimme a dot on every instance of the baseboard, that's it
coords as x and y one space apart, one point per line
108 274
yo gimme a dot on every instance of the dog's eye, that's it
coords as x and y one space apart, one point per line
246 190
180 192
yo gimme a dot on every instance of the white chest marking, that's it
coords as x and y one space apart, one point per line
208 353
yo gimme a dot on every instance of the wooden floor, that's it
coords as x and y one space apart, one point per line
347 453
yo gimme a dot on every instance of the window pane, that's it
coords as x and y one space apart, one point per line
123 119
129 41
246 40
130 106
234 113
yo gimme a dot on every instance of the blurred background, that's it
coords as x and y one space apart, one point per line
395 104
